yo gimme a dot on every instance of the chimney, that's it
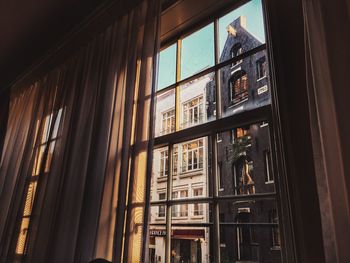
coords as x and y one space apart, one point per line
239 22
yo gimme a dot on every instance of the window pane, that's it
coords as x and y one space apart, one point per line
245 85
247 243
242 161
157 238
159 174
191 166
241 30
197 101
190 244
157 214
197 212
165 113
167 67
259 211
197 51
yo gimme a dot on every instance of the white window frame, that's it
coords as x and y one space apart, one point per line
195 154
168 120
189 117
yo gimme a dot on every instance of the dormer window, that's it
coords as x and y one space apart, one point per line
236 50
238 84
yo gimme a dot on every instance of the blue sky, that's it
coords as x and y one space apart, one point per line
198 48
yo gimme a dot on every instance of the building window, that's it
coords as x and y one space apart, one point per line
168 122
180 211
267 164
192 156
236 50
261 68
239 86
161 208
192 112
163 166
275 233
197 208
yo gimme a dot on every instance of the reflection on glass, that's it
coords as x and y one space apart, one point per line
157 237
197 51
190 244
165 113
197 101
244 161
159 174
248 243
245 86
167 67
190 161
241 30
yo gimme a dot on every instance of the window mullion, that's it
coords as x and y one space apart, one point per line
169 207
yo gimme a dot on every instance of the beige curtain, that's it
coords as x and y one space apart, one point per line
73 170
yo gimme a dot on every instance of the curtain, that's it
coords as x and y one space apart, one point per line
73 171
327 35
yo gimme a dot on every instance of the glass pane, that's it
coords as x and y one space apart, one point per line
21 242
167 67
245 84
244 161
197 101
157 238
190 160
241 30
159 174
247 243
157 214
197 51
200 212
259 211
190 244
165 113
28 205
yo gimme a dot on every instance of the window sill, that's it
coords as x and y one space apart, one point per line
264 77
162 179
237 103
191 173
275 248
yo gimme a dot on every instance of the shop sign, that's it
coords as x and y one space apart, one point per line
157 232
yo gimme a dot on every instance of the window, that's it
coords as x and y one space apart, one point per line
267 163
179 211
197 208
43 150
168 121
236 50
192 156
275 233
239 87
161 208
261 68
216 143
163 171
192 112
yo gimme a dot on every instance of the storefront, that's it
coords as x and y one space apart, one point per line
187 245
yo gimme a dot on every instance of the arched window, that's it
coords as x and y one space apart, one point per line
238 84
235 51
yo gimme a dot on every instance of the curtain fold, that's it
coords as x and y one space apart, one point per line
327 54
74 159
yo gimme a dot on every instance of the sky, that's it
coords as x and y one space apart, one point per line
198 48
